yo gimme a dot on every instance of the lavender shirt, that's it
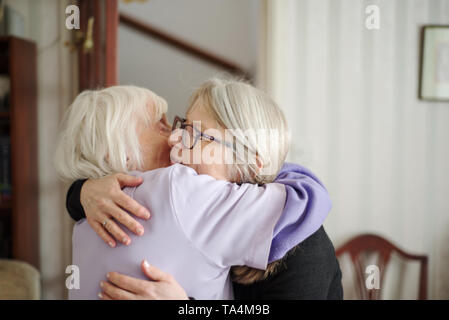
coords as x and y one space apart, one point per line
200 227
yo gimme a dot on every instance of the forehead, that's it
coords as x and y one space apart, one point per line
199 112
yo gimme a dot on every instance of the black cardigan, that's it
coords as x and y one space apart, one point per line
309 272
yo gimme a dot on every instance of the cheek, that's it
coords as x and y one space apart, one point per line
144 143
213 154
145 137
178 154
175 157
175 137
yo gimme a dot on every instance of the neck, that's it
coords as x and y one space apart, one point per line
158 160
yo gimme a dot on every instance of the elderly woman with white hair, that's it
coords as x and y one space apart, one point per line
209 213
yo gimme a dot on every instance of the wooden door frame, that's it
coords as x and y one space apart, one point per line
98 68
111 61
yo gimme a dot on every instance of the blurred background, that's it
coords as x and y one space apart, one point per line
351 76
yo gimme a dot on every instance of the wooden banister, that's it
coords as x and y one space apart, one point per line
182 45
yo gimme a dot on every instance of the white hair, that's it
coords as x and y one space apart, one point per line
248 111
99 132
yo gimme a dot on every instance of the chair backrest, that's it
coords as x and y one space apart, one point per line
372 243
19 281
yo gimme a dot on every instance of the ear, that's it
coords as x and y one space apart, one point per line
163 126
259 164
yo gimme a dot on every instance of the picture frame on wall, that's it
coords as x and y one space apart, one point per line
434 82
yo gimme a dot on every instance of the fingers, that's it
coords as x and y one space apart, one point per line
125 219
154 273
126 180
127 283
132 206
117 232
102 198
114 292
104 296
98 228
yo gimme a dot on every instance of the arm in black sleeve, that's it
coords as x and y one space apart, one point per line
73 202
309 272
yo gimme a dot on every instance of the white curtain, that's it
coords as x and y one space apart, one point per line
350 95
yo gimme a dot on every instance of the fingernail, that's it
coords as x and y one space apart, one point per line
111 244
146 264
145 213
102 284
126 241
139 231
107 275
100 296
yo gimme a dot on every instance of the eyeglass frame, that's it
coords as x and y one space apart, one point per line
199 134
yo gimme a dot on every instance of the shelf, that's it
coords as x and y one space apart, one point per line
5 205
18 62
4 114
5 210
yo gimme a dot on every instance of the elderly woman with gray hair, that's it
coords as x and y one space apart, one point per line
223 205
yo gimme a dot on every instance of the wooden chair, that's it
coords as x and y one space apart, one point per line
367 243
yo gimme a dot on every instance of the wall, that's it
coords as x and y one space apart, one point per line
351 96
229 29
45 25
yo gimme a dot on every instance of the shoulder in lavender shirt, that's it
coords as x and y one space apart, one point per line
202 227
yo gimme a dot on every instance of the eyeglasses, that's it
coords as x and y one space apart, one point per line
191 135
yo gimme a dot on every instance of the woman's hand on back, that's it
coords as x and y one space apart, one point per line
161 286
104 201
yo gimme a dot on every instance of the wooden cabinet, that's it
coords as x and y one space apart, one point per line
19 213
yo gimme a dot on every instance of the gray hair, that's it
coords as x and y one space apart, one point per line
248 111
99 133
